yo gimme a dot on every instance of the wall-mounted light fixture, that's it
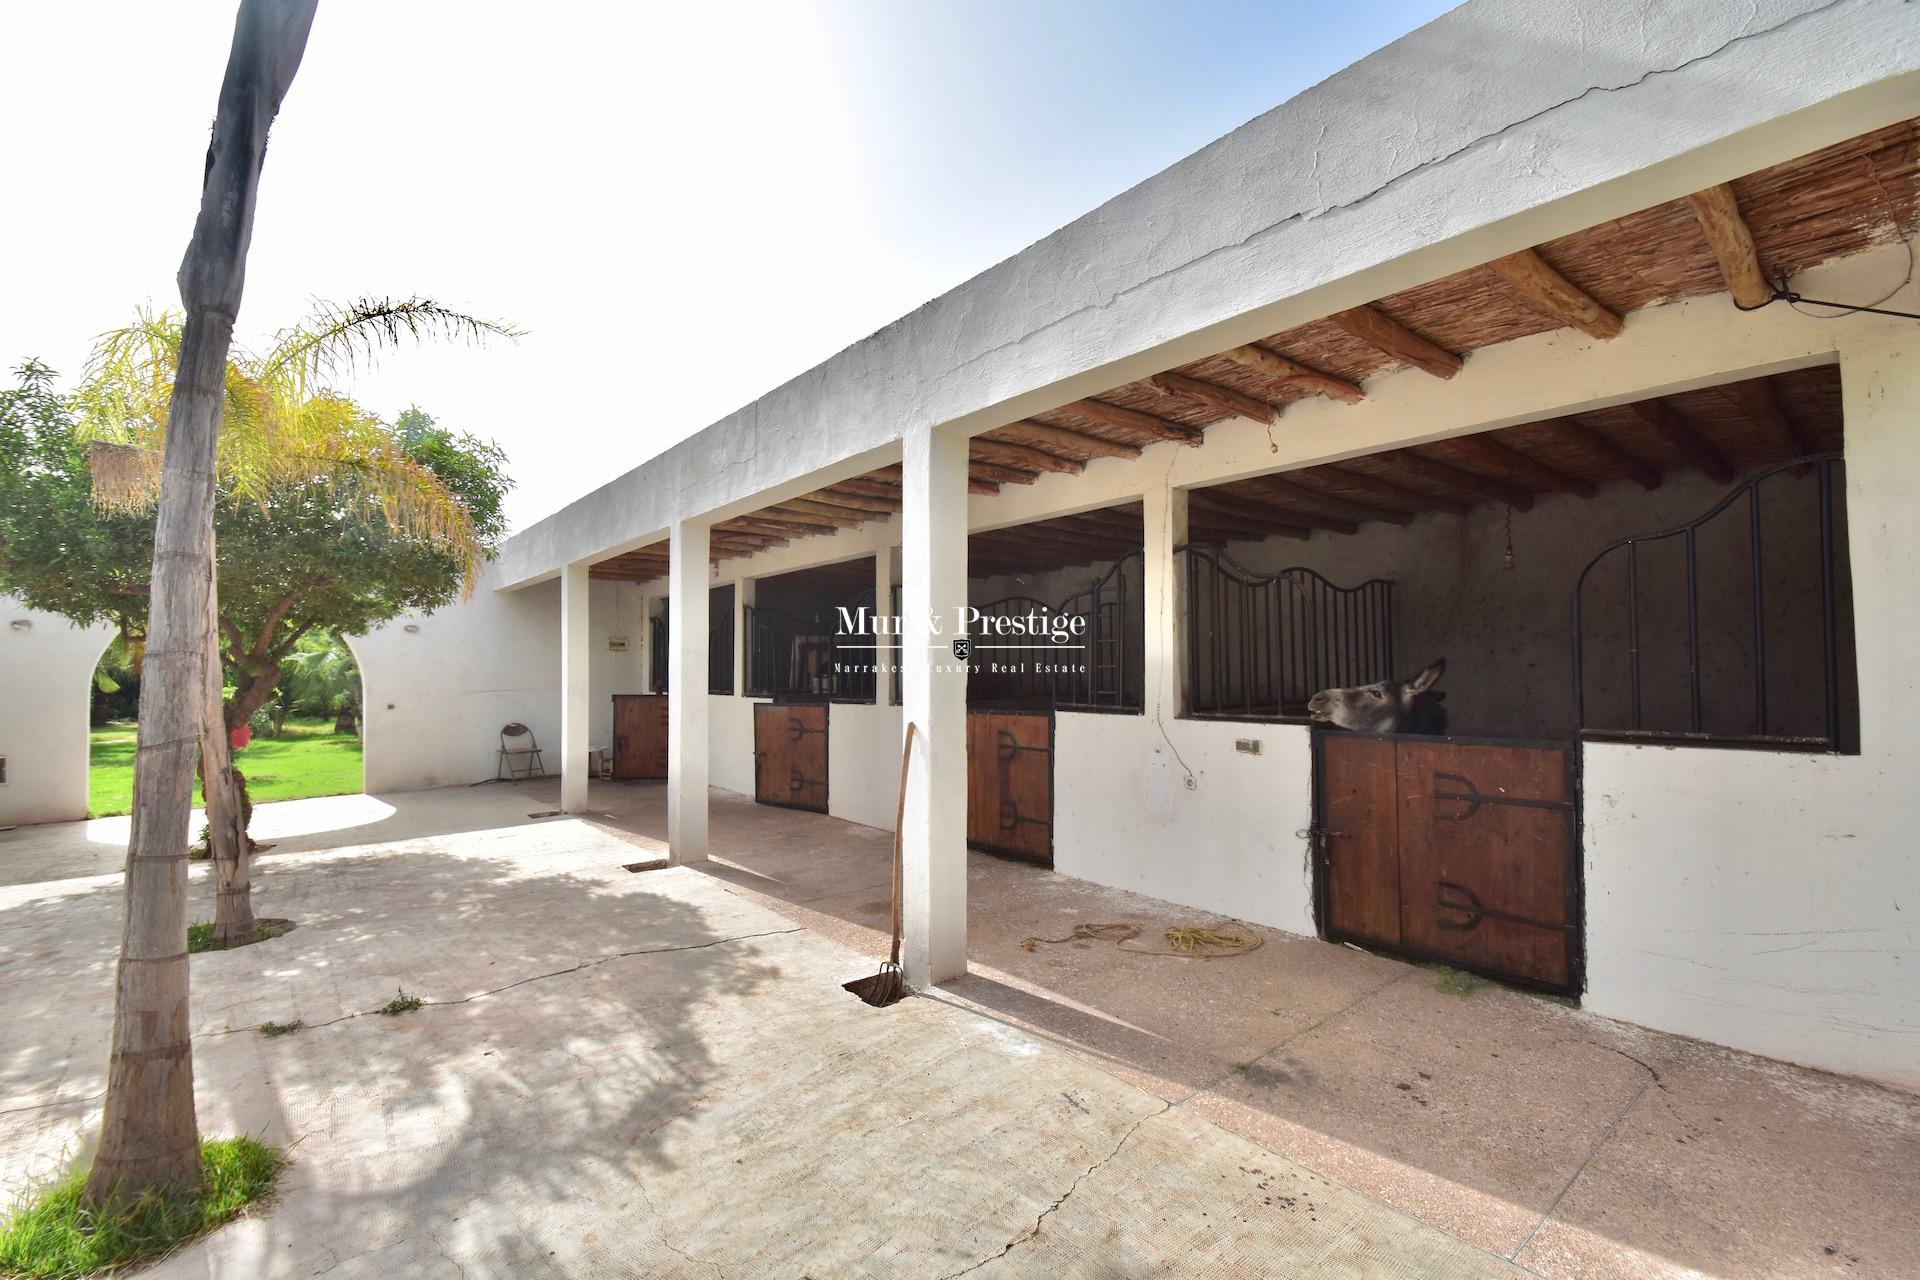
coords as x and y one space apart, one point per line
412 628
21 624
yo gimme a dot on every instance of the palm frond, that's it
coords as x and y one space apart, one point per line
126 387
337 339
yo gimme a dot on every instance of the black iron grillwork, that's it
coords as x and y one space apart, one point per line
1261 644
720 646
657 651
1101 670
794 657
1747 672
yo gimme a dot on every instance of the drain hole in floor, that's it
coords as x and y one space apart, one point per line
547 813
655 865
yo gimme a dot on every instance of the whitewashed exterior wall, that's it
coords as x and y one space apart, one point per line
46 687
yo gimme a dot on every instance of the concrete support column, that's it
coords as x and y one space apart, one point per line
883 656
933 577
575 653
1164 516
687 585
742 642
1879 390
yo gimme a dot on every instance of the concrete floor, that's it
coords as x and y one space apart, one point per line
658 1074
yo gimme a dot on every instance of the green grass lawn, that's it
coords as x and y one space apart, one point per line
307 759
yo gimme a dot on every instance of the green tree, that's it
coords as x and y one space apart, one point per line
309 552
322 679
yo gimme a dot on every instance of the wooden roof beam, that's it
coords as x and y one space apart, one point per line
757 523
858 501
1204 522
1553 295
1385 491
792 511
1113 415
978 478
1689 443
1759 400
870 487
1446 477
1379 330
1041 433
1717 211
1593 442
1000 473
1214 504
1111 531
1285 489
1213 396
1293 374
814 506
1516 468
1023 455
1016 537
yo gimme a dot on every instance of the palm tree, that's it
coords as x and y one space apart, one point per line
283 428
149 1136
323 678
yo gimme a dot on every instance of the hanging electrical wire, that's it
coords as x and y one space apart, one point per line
1783 293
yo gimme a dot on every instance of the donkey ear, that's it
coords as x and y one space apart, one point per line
1428 677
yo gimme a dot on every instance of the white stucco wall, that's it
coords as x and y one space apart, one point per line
1772 902
863 762
46 687
1124 815
435 698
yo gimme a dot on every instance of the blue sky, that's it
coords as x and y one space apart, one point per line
683 205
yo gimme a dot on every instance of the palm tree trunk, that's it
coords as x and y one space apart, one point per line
227 837
149 1137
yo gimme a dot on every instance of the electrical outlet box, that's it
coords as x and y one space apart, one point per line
1247 746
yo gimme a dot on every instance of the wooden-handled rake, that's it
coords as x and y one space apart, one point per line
890 984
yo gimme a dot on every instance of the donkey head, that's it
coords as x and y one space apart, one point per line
1391 706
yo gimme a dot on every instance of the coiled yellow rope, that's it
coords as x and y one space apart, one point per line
1185 941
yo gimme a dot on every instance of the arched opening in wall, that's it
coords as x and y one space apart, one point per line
304 741
113 709
1670 572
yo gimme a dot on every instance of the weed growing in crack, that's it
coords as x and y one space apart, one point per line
401 1003
281 1028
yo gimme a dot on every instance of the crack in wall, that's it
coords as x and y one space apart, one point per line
1425 166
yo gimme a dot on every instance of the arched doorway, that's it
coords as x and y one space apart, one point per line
305 742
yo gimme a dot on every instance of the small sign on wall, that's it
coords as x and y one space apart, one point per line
616 644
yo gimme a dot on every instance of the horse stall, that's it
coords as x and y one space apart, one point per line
802 657
1670 572
1080 575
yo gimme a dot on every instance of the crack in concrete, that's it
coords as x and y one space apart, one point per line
1311 215
641 1187
521 982
1605 1137
57 1102
1040 1220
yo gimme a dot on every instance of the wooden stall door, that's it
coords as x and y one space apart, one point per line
1360 834
639 735
1460 851
1010 784
1487 847
790 755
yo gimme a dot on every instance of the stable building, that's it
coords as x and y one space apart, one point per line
1475 351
